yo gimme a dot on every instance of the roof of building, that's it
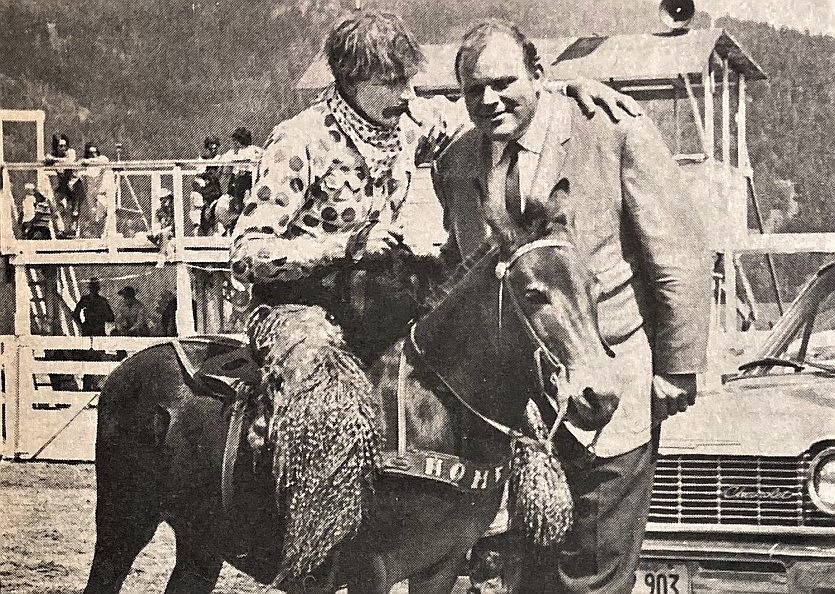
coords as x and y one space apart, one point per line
634 58
651 57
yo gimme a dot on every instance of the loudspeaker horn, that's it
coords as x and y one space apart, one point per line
676 14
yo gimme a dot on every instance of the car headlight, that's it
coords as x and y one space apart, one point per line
822 481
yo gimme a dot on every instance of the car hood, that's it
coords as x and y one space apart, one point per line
765 415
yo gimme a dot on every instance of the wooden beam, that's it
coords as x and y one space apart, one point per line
23 297
726 113
23 115
73 367
676 124
730 292
40 136
697 115
789 243
741 125
156 192
185 317
83 343
707 83
179 205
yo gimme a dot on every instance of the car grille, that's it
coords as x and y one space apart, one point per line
734 490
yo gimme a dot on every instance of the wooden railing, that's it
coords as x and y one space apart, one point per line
122 203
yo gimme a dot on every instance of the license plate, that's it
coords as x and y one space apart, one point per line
662 578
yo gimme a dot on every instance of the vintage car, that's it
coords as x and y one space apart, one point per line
744 494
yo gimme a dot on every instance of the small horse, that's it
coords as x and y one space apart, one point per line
160 444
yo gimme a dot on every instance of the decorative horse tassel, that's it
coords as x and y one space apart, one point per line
541 505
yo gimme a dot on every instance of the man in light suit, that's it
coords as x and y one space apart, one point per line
618 185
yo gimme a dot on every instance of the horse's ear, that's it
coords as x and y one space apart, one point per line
544 220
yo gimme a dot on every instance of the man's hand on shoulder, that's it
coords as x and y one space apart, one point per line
672 393
592 95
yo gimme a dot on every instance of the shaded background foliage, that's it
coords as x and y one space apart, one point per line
159 75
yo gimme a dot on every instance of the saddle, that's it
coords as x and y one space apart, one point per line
216 366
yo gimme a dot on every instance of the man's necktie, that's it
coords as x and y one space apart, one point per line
512 192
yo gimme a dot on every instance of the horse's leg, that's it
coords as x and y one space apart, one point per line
197 567
368 575
439 578
116 549
197 564
127 515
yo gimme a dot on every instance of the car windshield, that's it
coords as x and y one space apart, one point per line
812 337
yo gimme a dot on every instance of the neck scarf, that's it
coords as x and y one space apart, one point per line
379 146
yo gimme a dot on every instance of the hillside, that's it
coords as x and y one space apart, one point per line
159 76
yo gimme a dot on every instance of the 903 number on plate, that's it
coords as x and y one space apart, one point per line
662 578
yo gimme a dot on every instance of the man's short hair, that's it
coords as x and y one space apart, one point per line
211 140
243 136
372 44
56 140
475 40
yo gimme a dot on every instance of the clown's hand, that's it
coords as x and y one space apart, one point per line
590 94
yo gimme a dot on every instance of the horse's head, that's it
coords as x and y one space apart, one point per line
547 279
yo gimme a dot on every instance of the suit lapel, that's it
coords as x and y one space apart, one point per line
552 159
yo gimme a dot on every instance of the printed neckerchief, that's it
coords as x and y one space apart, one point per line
378 145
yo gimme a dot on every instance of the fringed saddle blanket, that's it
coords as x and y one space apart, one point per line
322 428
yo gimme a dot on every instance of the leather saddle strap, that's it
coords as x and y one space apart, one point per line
230 452
402 371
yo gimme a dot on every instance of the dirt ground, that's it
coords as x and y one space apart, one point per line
47 535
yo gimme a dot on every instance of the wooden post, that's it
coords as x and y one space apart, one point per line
110 226
185 317
676 123
741 130
726 113
179 210
156 191
697 116
7 237
707 84
730 292
2 152
220 301
23 298
12 394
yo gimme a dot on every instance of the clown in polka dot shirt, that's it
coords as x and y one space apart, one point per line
315 200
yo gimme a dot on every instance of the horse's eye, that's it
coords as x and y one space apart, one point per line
536 296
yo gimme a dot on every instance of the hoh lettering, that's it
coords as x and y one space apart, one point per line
462 474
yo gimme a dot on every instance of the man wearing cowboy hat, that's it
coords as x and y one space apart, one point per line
131 315
93 311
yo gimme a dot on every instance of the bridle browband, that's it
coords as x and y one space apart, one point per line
557 378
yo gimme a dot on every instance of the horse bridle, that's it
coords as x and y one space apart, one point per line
557 378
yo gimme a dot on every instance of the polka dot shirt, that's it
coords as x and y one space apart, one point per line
313 183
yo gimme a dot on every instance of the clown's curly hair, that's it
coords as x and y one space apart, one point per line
372 44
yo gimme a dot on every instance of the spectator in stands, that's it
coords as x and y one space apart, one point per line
131 315
167 309
240 174
206 188
165 217
68 191
98 183
92 313
35 214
